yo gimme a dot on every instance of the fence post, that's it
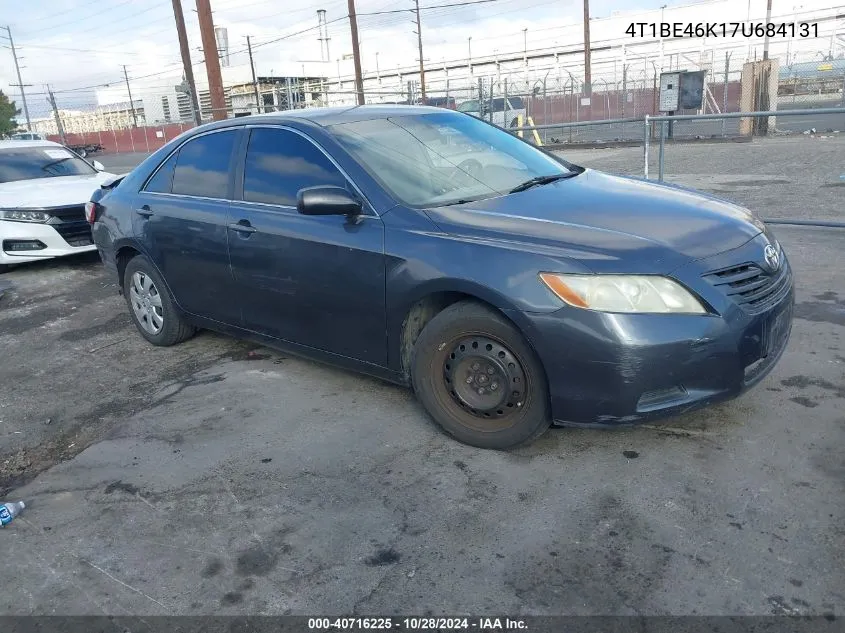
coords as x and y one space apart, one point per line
545 111
645 145
725 90
662 148
490 100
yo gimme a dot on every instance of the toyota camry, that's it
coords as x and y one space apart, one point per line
509 288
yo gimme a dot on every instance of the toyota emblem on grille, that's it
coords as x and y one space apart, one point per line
771 256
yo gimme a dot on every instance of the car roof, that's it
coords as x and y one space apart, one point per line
333 116
13 144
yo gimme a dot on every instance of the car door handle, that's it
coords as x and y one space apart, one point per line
145 211
242 227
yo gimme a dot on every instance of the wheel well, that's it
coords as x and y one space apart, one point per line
123 257
418 317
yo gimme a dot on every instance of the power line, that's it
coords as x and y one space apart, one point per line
436 6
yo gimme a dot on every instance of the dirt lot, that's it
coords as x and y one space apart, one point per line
220 477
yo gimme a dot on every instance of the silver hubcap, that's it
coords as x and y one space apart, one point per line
146 303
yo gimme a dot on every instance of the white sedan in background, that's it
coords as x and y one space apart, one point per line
43 190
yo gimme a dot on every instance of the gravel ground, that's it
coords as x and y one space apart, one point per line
220 477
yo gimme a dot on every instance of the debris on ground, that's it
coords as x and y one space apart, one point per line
9 511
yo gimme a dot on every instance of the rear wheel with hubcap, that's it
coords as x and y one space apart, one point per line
478 378
151 305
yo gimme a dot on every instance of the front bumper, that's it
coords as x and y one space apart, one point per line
54 244
614 369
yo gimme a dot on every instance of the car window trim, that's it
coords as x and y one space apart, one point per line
368 209
237 129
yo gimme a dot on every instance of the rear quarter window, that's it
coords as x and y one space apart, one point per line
202 167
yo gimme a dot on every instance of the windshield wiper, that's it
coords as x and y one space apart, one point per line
459 201
542 180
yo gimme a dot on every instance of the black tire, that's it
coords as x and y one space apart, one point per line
4 268
435 367
173 329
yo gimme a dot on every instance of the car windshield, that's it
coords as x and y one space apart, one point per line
30 163
445 158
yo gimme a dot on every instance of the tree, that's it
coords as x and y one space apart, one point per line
8 112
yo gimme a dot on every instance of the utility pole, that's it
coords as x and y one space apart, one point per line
768 21
254 82
588 81
356 54
212 60
20 83
52 101
419 43
131 103
187 67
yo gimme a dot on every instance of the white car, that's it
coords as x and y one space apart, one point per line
505 113
43 190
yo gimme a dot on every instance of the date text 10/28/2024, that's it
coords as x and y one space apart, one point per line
723 29
416 624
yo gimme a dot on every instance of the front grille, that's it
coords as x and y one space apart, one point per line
71 224
750 286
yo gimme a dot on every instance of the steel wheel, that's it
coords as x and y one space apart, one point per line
146 303
479 379
485 379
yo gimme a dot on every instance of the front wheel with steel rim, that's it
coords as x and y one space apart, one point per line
151 305
478 378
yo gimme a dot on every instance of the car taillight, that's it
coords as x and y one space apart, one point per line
91 209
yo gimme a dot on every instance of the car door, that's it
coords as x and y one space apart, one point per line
314 280
181 216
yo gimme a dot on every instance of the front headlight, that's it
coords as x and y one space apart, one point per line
21 215
623 293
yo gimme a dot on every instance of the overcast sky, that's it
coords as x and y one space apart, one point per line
73 44
78 45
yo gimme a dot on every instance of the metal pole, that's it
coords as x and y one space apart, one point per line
768 21
469 52
645 145
587 73
725 90
490 100
525 47
20 81
131 103
507 103
662 149
254 82
419 44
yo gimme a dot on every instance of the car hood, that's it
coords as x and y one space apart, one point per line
608 223
51 192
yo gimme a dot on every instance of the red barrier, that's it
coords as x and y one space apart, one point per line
140 139
613 104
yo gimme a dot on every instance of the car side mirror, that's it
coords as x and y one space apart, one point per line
98 165
327 200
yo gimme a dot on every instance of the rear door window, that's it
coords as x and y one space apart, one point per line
279 163
202 167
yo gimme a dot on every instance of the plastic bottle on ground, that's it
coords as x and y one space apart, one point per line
9 511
